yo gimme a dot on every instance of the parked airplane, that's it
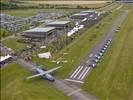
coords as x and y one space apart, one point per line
44 74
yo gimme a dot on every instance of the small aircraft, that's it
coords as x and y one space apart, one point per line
59 61
44 74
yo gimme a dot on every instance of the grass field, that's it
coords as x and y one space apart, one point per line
112 79
78 49
4 33
30 12
15 87
12 43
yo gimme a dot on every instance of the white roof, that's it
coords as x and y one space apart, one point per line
2 58
45 55
58 22
41 29
80 14
87 11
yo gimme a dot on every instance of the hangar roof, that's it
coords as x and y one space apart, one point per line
58 22
41 29
80 14
87 11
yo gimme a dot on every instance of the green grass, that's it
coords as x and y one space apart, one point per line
12 43
4 33
15 87
30 12
112 79
80 46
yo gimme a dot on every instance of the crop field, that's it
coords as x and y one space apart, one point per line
76 50
14 86
67 2
90 4
112 79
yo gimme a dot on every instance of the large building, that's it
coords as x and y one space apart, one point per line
60 25
43 33
89 12
79 16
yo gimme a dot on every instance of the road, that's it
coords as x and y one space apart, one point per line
79 75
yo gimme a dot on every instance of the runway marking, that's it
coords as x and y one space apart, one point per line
74 81
83 72
78 72
75 72
73 92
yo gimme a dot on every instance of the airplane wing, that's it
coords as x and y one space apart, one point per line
46 72
33 76
52 70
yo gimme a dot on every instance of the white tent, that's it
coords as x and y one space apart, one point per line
45 55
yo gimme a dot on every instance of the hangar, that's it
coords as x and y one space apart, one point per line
41 33
88 11
60 25
79 16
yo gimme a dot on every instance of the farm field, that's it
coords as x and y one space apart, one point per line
14 86
76 50
112 79
30 12
89 4
67 2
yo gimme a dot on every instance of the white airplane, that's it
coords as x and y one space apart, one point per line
44 74
59 61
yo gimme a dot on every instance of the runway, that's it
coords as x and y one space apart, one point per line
82 70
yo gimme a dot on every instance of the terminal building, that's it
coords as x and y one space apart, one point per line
40 33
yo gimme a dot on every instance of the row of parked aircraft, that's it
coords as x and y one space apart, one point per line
99 55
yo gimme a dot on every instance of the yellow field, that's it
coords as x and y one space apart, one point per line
67 2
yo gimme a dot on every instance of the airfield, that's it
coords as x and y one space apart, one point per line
81 77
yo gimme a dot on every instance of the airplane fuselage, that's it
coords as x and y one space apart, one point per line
46 76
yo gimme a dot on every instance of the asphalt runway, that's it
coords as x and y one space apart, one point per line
82 70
